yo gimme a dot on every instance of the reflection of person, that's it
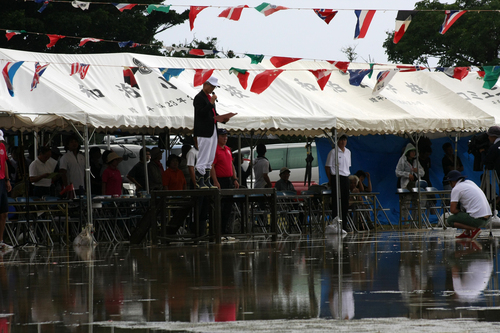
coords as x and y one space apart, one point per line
476 209
137 174
5 187
40 169
344 160
205 130
284 184
111 177
448 163
262 168
173 178
72 165
155 170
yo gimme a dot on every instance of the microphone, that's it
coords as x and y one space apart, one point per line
213 94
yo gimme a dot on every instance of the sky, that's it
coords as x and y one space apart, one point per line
291 33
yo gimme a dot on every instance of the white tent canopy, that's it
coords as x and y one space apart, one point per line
293 104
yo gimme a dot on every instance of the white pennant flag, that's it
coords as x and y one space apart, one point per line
81 4
383 79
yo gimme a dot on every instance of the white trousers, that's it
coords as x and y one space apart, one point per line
206 152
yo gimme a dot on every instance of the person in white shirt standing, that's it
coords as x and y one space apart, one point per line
475 210
72 165
40 170
344 155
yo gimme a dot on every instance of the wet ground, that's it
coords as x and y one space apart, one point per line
412 281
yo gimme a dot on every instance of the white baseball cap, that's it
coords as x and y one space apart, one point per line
213 81
1 136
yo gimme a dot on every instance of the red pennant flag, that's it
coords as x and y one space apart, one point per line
128 76
83 41
193 12
410 68
233 13
242 75
264 80
322 76
53 40
201 76
282 61
403 20
342 65
326 14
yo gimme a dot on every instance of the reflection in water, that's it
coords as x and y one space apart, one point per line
409 275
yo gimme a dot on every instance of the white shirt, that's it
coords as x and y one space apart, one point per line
38 168
260 168
75 168
191 157
344 162
472 198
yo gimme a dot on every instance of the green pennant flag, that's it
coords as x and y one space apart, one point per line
256 58
234 70
491 74
371 71
159 8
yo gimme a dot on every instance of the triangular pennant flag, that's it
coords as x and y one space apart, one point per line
129 44
39 70
83 5
10 33
454 72
450 17
364 19
193 12
83 41
169 73
123 6
45 4
326 14
403 20
342 65
481 74
201 53
242 75
357 75
53 40
383 79
78 68
491 74
264 80
371 70
128 76
322 76
159 8
410 68
282 61
233 13
268 9
8 74
256 58
201 76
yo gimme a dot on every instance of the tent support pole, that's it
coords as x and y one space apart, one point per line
87 174
145 161
337 183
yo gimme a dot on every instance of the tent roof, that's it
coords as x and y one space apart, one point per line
293 104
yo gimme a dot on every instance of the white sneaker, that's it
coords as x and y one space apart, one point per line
5 247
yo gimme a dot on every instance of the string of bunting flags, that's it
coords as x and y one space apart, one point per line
263 79
364 17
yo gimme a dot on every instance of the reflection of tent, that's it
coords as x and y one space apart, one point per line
293 104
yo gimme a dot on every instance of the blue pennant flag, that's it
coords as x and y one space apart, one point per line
169 73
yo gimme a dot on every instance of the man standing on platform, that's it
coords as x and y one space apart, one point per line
5 187
205 130
475 210
344 155
224 175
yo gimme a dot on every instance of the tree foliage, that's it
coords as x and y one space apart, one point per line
101 21
209 44
473 40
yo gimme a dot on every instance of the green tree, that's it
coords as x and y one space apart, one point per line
474 39
101 21
209 44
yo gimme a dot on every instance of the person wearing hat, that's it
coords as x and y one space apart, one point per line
5 188
155 170
223 175
41 170
205 130
284 185
72 165
111 177
475 209
492 158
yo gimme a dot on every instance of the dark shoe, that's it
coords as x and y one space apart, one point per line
208 183
475 233
200 180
